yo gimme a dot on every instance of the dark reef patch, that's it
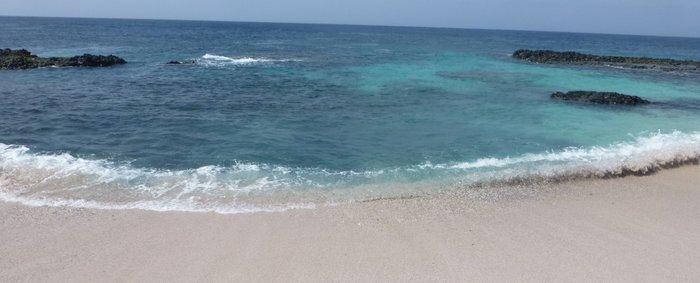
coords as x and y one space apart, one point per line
575 58
23 59
595 97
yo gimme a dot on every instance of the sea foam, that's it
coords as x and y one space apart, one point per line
50 179
218 60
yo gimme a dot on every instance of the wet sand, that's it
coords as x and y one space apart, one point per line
632 229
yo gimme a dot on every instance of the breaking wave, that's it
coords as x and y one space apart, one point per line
43 179
218 60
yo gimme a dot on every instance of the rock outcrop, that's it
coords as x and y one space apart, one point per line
599 97
188 62
575 58
23 59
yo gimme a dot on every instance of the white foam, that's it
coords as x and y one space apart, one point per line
644 154
64 180
160 206
218 60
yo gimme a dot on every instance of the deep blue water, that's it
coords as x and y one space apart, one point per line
279 109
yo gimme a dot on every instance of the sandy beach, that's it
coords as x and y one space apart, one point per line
633 229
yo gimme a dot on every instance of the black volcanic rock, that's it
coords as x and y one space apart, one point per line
575 58
19 59
23 59
89 60
599 97
180 62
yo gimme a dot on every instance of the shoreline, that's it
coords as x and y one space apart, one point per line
246 187
636 228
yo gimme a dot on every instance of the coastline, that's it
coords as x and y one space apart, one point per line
636 228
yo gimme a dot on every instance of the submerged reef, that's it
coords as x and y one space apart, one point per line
23 59
595 97
187 62
575 58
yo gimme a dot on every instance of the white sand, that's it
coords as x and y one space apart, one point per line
634 229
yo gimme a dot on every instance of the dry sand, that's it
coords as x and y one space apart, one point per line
634 229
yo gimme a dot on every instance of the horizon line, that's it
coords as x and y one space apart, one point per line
358 25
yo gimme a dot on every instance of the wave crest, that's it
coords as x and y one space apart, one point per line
218 60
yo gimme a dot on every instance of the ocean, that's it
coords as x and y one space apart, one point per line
277 116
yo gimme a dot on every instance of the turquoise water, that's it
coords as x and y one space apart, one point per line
273 116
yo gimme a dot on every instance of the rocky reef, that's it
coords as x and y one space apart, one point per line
599 97
174 62
575 58
23 59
